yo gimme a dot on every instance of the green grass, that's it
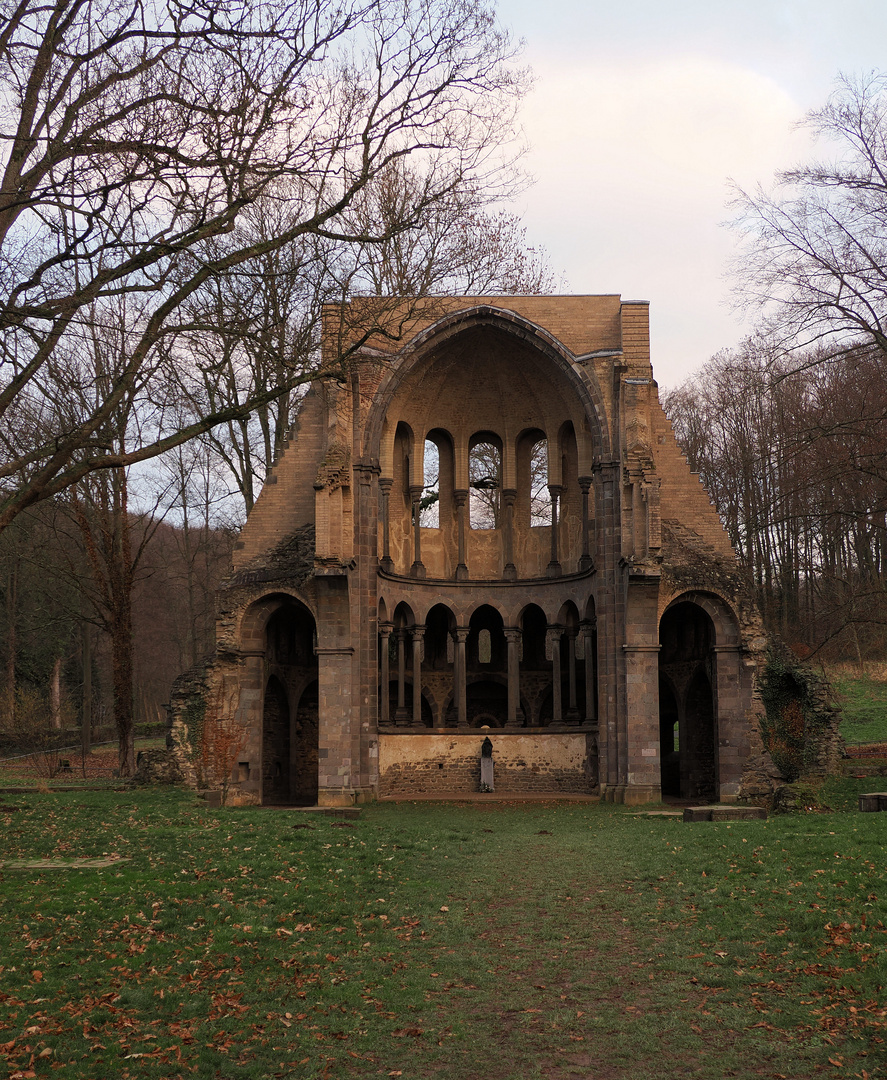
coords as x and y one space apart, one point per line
441 941
863 702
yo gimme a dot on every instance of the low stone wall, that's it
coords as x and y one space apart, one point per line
450 763
157 767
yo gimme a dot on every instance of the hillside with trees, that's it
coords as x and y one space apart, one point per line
789 431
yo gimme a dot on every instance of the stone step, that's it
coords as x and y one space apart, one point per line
725 813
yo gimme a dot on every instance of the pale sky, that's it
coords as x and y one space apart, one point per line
641 116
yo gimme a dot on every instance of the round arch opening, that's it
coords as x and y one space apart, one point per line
687 715
290 725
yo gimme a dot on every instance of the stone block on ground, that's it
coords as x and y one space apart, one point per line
873 802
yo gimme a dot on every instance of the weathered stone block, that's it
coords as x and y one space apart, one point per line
873 802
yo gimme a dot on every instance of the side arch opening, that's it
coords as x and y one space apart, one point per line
687 708
290 709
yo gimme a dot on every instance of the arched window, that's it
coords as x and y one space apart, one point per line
429 506
485 481
540 496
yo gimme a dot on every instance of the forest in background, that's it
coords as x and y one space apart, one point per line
794 457
61 607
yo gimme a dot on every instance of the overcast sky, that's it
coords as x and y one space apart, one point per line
641 116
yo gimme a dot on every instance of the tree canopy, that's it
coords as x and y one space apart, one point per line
815 248
135 138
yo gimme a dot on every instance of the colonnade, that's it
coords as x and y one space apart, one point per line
460 501
576 642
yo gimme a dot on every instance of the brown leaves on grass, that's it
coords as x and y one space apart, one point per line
839 934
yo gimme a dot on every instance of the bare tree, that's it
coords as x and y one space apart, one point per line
816 247
135 134
259 323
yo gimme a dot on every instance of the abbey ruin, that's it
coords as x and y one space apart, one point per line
485 529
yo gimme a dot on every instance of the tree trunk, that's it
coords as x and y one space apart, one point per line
86 707
11 642
55 695
122 656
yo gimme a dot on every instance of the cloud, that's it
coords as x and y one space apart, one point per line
632 165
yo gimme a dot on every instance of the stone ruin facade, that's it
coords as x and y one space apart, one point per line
485 529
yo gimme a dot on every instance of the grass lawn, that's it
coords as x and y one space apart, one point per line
863 701
507 942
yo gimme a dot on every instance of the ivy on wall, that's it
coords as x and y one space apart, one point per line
798 715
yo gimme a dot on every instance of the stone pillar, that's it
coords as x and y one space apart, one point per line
510 570
460 691
585 561
610 617
641 743
553 653
572 711
401 716
385 678
417 633
512 637
461 497
732 745
417 569
654 515
586 628
336 737
554 566
385 485
638 518
251 714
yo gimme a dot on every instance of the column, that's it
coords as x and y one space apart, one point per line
385 678
585 561
586 628
460 692
554 566
639 750
510 570
461 497
417 569
385 485
553 652
401 716
731 733
638 518
572 711
512 637
417 633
